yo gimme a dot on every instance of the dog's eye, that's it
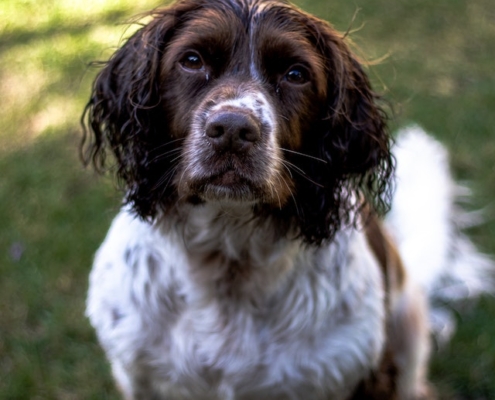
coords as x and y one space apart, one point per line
192 61
297 75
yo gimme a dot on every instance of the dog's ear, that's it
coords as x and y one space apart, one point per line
357 137
124 116
352 144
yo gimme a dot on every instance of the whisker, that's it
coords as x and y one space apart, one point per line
296 168
287 164
163 155
291 193
304 155
171 175
168 176
279 201
287 168
165 177
173 141
181 155
271 188
177 158
168 143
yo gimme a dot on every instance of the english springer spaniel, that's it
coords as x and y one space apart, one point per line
248 261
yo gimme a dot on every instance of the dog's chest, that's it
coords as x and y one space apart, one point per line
304 340
250 353
297 325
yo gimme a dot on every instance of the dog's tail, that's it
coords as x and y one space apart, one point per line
426 221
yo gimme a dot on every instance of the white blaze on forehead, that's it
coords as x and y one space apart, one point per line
252 68
255 74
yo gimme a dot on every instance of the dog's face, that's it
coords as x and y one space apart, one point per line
240 91
252 102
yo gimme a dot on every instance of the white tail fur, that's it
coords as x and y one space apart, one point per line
426 223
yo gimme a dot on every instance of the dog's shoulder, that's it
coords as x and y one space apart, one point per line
134 275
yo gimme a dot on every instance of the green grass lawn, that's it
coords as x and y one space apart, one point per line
438 71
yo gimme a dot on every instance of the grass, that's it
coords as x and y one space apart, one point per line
53 214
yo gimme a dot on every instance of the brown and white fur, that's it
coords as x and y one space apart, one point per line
248 261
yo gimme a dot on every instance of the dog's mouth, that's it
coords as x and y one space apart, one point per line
228 185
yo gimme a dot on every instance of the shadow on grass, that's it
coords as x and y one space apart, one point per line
54 215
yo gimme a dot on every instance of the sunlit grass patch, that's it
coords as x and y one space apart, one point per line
21 17
47 47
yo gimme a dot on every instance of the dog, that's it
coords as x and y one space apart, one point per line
249 260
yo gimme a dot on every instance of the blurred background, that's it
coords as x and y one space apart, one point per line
436 67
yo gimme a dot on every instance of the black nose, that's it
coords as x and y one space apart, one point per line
232 131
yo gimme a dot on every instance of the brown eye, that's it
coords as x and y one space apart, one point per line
192 61
297 75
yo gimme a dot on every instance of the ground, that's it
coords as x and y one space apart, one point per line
432 61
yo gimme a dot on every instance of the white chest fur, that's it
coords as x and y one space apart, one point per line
218 309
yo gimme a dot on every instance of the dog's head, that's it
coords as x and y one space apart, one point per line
242 101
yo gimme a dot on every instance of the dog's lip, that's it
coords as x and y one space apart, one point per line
226 181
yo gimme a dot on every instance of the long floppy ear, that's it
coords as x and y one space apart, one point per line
352 142
124 114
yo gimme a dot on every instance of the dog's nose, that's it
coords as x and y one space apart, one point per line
234 131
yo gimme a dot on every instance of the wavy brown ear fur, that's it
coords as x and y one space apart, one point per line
125 113
353 141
